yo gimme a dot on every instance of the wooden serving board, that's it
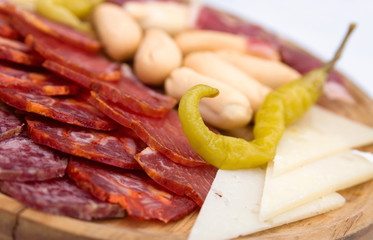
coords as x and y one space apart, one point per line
353 221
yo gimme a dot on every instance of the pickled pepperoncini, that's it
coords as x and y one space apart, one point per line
280 108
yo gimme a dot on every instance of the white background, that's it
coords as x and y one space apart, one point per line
318 26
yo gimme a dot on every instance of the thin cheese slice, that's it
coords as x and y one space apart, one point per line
231 208
307 183
319 133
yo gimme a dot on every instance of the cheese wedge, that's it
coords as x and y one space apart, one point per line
231 208
309 182
318 134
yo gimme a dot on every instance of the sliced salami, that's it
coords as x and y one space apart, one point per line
194 182
10 125
162 134
23 160
17 52
6 30
69 110
134 190
61 197
116 148
41 83
66 34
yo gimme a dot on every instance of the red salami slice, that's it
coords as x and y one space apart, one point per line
128 91
6 30
116 148
194 182
134 190
62 197
10 125
23 160
162 134
18 52
41 83
59 31
69 110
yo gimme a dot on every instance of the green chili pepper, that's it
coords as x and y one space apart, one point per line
280 108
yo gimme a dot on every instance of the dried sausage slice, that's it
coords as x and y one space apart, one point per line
194 182
41 83
23 160
62 197
134 190
162 134
116 148
69 110
17 52
10 125
6 30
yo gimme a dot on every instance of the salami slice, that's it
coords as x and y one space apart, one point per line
6 30
134 190
23 160
162 134
61 197
17 52
116 148
128 91
194 182
65 109
66 34
41 83
10 125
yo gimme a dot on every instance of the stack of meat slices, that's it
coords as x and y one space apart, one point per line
61 153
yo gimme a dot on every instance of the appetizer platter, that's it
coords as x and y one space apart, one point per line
105 135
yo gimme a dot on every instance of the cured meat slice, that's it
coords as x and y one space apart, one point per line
194 182
41 83
69 110
59 31
18 52
162 134
128 91
61 197
6 30
10 125
259 43
134 190
23 160
116 148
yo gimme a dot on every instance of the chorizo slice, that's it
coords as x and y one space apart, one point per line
116 148
162 134
18 52
134 190
61 197
23 160
70 110
194 182
10 125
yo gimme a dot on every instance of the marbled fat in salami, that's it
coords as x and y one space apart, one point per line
23 160
41 83
194 182
65 109
162 134
24 20
116 148
61 197
10 125
134 190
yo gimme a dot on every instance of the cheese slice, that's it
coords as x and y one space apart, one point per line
309 182
231 208
318 134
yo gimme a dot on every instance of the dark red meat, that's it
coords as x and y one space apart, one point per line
17 52
10 125
41 83
69 110
194 182
23 160
6 30
116 148
62 197
162 134
24 21
134 190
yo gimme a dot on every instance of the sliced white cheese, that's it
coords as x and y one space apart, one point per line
309 182
318 134
231 208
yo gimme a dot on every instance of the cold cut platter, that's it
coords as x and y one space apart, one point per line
92 147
